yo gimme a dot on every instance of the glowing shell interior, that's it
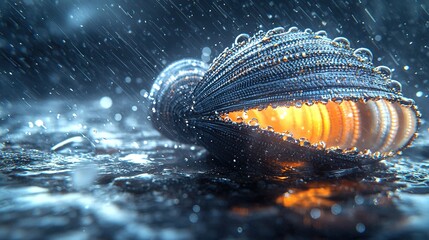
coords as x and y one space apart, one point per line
286 96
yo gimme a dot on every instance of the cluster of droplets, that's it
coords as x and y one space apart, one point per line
362 54
302 141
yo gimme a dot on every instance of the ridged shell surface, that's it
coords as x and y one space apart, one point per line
286 96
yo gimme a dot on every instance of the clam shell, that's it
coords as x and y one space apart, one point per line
286 96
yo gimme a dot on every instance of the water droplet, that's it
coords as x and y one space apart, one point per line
385 72
106 102
293 30
276 30
309 103
342 41
288 134
324 101
376 154
363 53
395 85
303 142
321 33
419 94
367 152
254 122
338 100
308 30
244 37
39 123
321 145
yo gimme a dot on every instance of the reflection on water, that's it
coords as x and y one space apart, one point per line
82 172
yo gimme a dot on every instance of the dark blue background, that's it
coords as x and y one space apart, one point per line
87 49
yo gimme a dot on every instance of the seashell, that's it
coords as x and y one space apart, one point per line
336 109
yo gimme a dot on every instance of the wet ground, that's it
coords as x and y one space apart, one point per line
85 170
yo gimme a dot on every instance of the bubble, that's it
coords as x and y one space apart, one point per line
134 108
377 38
360 227
205 58
196 208
315 213
207 51
336 209
193 218
144 93
106 102
118 90
406 68
128 79
419 94
359 200
118 117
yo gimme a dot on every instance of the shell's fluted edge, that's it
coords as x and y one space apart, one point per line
171 97
191 101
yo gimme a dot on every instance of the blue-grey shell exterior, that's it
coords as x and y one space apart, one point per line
171 97
283 67
274 68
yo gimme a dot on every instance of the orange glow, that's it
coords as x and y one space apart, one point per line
373 125
313 197
325 194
